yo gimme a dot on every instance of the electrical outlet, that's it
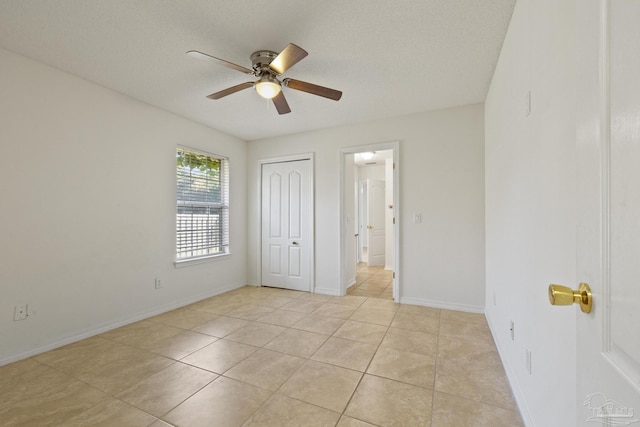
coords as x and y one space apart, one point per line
20 312
527 104
527 360
512 331
417 218
158 283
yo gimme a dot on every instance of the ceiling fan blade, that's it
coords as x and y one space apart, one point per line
200 55
286 59
281 104
313 89
230 90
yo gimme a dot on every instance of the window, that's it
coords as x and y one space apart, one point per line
202 212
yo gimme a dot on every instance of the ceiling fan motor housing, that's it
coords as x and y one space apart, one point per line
261 60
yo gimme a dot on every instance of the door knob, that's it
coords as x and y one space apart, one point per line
563 295
370 227
294 243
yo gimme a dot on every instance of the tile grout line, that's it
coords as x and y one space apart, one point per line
310 357
435 367
367 368
109 394
274 392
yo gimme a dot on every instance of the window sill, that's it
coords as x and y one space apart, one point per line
201 260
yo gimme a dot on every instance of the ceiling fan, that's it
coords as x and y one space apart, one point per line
268 66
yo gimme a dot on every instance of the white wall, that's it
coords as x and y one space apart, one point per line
530 197
441 175
88 208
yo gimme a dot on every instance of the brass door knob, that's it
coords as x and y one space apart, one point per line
563 295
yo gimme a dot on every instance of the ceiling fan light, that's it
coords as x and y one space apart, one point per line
268 89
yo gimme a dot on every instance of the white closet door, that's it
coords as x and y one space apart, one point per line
286 225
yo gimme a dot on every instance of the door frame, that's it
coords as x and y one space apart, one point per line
395 147
312 212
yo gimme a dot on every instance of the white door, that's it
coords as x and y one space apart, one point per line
362 220
375 221
608 180
287 225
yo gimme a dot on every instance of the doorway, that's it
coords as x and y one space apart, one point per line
369 230
287 224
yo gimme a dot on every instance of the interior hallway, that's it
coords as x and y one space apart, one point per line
271 357
372 282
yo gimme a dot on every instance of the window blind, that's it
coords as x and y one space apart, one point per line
202 212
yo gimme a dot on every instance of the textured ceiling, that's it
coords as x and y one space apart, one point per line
389 58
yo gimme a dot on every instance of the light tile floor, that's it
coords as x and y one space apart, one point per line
372 282
270 357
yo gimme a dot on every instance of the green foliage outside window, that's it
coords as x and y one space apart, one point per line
202 162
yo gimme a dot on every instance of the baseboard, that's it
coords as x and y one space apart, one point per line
518 395
441 304
327 291
99 329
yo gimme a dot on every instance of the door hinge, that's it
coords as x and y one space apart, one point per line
394 275
394 219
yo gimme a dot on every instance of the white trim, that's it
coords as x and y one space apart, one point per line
605 176
327 291
312 209
517 392
444 305
290 158
204 152
610 351
87 333
395 147
200 260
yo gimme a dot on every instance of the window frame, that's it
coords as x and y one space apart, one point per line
223 232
